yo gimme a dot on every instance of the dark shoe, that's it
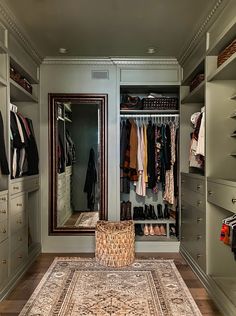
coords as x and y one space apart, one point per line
128 211
152 212
166 212
141 213
122 211
146 211
138 230
159 211
135 213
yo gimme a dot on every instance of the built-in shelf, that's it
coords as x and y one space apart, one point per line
21 69
149 111
60 118
197 95
233 115
226 71
233 97
18 93
233 135
155 238
233 154
155 221
67 119
3 81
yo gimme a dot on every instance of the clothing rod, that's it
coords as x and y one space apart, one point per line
149 115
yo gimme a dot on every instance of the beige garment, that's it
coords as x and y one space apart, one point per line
169 186
133 145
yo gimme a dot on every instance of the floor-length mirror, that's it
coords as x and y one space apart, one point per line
78 157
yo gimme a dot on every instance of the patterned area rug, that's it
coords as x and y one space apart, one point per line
87 219
77 286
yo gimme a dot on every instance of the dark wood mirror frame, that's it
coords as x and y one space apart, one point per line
101 101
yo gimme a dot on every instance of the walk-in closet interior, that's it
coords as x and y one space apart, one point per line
145 137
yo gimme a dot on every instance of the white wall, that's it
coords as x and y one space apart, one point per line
76 79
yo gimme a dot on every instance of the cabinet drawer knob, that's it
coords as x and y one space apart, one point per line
19 238
182 237
3 211
20 257
18 204
4 230
210 192
199 219
4 261
182 181
3 199
233 200
199 256
199 202
199 237
15 188
19 221
198 186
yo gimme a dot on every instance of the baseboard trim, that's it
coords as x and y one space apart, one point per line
157 246
18 275
218 296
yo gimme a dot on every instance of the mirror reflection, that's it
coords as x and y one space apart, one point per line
79 165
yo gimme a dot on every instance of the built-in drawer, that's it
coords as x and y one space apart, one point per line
193 198
18 258
3 231
3 262
68 170
33 184
18 221
222 195
19 239
193 184
18 204
193 215
3 210
25 184
149 75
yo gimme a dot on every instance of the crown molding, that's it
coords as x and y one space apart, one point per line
202 30
8 19
109 61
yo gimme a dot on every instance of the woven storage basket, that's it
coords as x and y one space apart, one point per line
196 81
162 103
226 53
115 243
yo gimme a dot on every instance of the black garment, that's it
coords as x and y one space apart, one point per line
32 151
151 156
233 245
163 157
70 150
176 189
125 158
3 156
90 181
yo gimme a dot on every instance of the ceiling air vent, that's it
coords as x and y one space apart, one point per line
100 74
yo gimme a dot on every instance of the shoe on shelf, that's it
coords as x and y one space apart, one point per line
138 230
152 212
166 212
151 230
128 211
172 230
159 211
141 213
157 230
163 230
135 213
146 230
146 211
122 211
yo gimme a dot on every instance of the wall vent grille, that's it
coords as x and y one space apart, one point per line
100 74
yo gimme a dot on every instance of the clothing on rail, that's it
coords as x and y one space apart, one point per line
24 151
148 157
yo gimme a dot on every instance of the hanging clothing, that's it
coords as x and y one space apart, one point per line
3 156
70 150
169 194
91 180
125 158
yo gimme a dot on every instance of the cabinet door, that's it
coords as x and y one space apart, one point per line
3 262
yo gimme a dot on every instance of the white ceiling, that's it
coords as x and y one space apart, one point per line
110 27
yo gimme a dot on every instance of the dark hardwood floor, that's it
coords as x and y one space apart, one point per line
13 304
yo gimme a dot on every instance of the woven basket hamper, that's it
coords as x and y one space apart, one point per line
115 243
